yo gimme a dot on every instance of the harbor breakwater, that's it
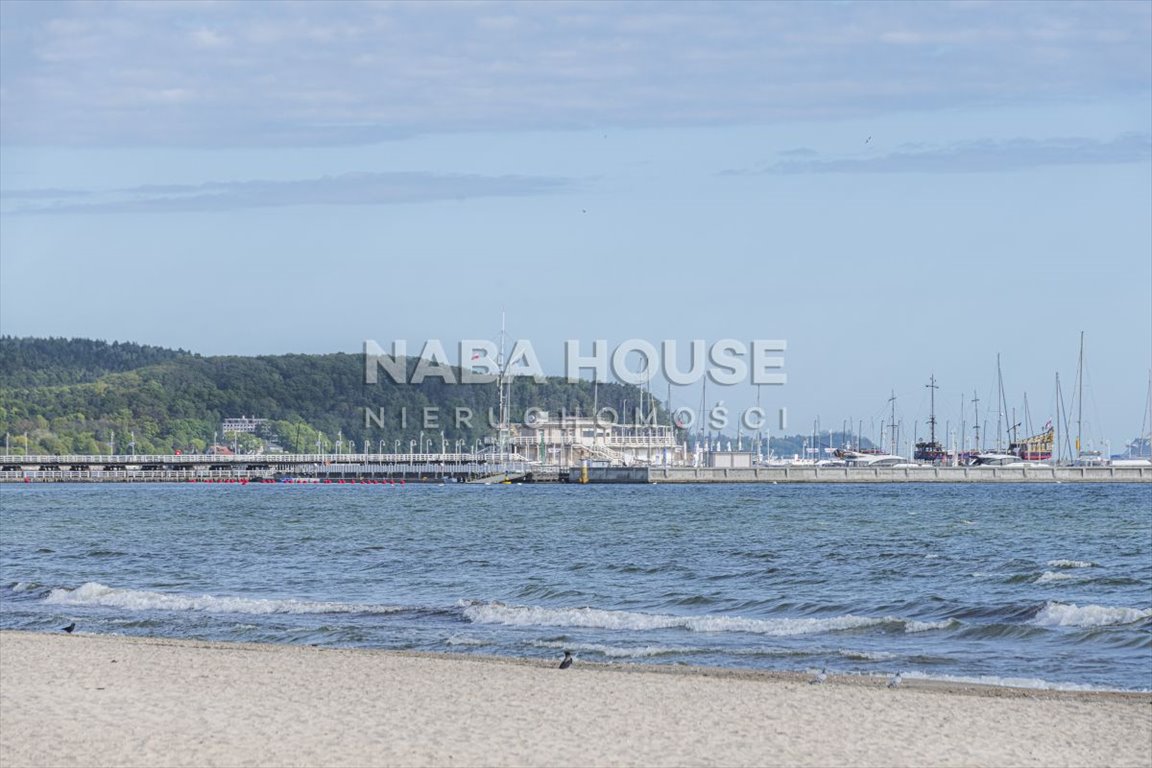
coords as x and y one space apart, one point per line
813 474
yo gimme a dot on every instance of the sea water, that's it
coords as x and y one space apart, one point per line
1032 585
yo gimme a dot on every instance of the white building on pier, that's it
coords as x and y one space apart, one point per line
568 441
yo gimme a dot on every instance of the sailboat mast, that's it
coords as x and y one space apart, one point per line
892 423
963 427
502 428
999 401
976 404
1080 396
932 411
703 403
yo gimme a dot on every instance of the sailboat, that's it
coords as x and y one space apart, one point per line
1019 452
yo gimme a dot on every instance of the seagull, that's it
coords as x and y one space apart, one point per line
867 139
69 628
821 676
895 680
567 662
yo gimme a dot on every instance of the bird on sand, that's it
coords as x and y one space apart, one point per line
821 676
69 628
895 680
567 661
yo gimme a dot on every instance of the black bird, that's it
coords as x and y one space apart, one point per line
567 662
867 139
69 628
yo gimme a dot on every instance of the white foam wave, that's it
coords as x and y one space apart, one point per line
1072 615
21 586
93 593
1049 576
868 655
1070 564
1008 682
911 627
465 640
616 652
534 616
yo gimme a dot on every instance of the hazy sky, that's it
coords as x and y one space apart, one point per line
895 189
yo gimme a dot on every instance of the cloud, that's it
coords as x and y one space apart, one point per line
985 156
346 189
257 74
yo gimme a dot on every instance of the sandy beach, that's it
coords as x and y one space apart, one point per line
94 700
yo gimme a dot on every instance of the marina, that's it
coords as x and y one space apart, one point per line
501 468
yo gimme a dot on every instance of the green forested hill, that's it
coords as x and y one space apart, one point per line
72 395
38 362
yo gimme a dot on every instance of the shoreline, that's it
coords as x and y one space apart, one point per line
114 700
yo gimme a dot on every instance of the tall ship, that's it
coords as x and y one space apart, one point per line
1035 448
930 450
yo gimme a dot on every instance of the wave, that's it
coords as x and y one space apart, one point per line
999 631
1071 615
868 655
1050 576
465 640
618 652
94 593
1008 682
1070 564
911 627
596 618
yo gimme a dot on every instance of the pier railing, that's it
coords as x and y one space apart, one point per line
178 459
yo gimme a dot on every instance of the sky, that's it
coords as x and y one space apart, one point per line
896 190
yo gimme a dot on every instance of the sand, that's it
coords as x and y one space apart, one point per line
97 700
